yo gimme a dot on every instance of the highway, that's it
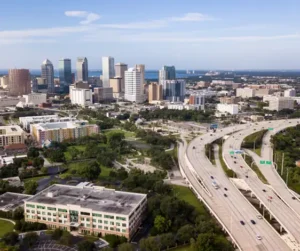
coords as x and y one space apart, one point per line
284 209
235 207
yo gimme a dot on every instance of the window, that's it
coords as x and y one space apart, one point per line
97 215
30 205
123 224
82 219
112 229
49 213
49 219
112 223
44 218
109 216
94 226
84 213
88 225
123 230
62 210
121 218
43 213
106 228
99 221
27 211
105 222
118 224
118 230
38 212
60 221
51 208
40 207
99 226
94 220
32 211
38 217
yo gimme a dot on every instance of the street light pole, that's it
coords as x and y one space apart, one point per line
287 176
282 163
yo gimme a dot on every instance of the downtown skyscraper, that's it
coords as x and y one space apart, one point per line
65 74
120 69
108 70
48 74
167 73
82 69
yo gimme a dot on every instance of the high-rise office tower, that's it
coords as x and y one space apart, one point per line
120 69
154 92
82 69
108 70
173 90
167 73
134 90
141 69
19 82
48 75
65 74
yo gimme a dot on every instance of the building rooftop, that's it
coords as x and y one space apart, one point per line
7 130
10 201
46 61
60 125
91 197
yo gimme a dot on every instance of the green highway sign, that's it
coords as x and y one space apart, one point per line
231 152
270 128
268 162
262 162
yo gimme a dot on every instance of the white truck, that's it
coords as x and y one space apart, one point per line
215 185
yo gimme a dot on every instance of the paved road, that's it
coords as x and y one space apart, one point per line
235 207
285 214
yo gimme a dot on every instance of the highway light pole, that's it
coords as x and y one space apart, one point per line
282 163
287 176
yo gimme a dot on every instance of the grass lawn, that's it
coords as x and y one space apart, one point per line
67 153
36 178
6 227
127 134
184 193
185 248
258 151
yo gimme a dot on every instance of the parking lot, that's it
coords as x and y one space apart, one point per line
51 246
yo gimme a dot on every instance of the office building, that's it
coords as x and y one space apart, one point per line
82 69
120 69
11 201
60 131
167 73
225 109
279 103
290 93
134 89
245 92
155 92
35 99
10 135
28 121
4 81
116 85
47 76
141 69
229 100
65 74
197 100
81 94
103 94
87 209
108 70
181 106
34 85
19 82
173 90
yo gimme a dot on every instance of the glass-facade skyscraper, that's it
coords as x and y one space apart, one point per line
65 74
108 70
82 69
167 73
48 74
173 90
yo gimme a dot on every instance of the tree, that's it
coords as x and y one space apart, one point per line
30 187
57 233
66 238
205 242
33 152
18 213
38 162
74 152
30 239
114 139
162 224
125 247
11 238
167 240
44 170
185 233
150 244
91 171
86 246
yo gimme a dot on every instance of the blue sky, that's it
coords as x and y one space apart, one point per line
190 34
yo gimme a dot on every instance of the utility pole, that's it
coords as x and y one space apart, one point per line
282 162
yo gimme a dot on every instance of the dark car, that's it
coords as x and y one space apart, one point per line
235 157
264 190
211 177
253 222
293 197
194 147
234 162
241 166
225 189
243 223
225 195
211 135
247 176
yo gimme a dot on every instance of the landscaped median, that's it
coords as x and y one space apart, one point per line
254 141
250 162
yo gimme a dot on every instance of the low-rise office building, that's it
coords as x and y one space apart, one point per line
224 109
81 94
10 135
11 201
60 131
279 103
87 209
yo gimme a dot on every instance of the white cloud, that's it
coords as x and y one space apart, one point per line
192 17
76 13
89 16
26 41
136 25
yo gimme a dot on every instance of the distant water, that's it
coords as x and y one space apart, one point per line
151 74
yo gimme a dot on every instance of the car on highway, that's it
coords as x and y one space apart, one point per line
258 237
242 222
234 162
247 176
253 222
212 177
241 166
225 195
264 190
194 147
293 197
225 189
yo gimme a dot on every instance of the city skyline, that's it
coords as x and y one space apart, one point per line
189 35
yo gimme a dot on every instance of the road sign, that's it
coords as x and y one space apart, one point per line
231 152
268 162
213 126
265 162
262 162
270 128
238 151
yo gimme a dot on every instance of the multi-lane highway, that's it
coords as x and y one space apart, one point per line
229 206
284 208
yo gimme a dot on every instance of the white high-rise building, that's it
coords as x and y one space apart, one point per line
81 94
141 69
108 70
290 93
134 89
48 74
82 69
